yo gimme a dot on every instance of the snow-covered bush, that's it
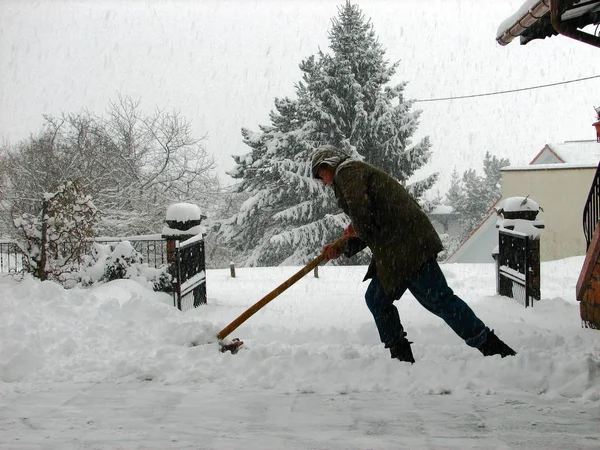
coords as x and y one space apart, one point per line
54 240
121 261
450 243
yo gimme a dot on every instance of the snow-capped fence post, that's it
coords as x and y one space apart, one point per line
518 254
42 270
185 254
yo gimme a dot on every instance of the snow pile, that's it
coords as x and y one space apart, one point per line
316 337
115 366
115 331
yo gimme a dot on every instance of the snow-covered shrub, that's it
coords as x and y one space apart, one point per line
121 261
450 243
54 240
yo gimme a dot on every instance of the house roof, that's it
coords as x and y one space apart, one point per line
477 236
569 152
533 19
551 166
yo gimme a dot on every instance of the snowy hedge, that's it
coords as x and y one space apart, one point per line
121 261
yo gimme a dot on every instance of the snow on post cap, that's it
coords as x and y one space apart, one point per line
183 212
512 204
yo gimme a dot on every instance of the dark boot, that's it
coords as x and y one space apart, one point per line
494 346
402 351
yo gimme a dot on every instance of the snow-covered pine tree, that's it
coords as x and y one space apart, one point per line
473 195
473 205
455 192
493 175
343 99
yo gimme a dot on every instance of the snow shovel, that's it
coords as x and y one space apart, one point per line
235 344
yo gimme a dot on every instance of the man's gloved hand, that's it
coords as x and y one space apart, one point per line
332 252
349 232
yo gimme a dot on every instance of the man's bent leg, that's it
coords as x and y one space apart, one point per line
430 288
388 322
385 313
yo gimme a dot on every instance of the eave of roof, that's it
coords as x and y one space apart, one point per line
528 14
551 166
532 19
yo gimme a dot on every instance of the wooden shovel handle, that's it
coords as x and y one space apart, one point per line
275 292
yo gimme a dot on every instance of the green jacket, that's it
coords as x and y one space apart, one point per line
388 220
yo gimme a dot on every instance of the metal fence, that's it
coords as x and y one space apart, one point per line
153 249
591 211
11 258
518 267
590 304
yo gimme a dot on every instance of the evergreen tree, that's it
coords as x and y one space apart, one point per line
343 99
454 194
493 176
472 196
473 204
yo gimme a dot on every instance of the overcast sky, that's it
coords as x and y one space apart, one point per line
221 63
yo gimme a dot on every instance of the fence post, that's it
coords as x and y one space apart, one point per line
182 220
496 257
44 243
316 271
177 272
534 268
232 269
527 274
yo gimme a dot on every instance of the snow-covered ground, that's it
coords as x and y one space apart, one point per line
116 367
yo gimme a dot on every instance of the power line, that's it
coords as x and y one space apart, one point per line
505 92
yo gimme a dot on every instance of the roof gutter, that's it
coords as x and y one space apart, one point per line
536 12
574 33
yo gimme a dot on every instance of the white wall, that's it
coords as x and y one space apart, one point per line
562 192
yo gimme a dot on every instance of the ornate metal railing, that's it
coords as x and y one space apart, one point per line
519 267
11 258
153 248
591 211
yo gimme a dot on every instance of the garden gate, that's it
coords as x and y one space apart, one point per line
518 266
189 273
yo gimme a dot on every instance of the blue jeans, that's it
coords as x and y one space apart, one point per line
429 287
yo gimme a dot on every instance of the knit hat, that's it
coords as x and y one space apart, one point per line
329 155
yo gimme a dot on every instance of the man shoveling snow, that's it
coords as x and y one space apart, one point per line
385 218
